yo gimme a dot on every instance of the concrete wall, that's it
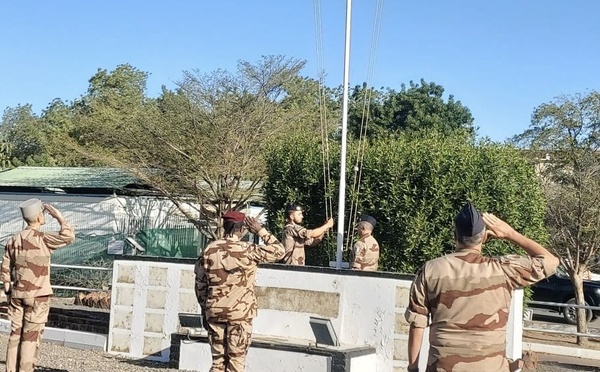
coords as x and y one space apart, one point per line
258 360
364 309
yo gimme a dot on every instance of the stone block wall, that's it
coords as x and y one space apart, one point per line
364 308
145 306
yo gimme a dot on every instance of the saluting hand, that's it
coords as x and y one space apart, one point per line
497 227
53 211
253 225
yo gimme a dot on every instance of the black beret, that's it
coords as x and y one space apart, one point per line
290 207
369 219
468 221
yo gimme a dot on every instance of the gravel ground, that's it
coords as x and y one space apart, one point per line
56 358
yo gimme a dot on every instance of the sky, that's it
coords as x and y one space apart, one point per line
499 58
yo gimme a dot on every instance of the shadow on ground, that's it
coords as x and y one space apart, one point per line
147 363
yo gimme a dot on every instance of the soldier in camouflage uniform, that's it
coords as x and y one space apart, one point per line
225 275
26 278
464 297
296 237
365 254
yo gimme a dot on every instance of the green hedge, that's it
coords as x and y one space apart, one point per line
414 187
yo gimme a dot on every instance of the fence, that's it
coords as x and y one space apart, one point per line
571 333
102 225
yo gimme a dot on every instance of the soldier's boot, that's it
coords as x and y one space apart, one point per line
216 339
239 336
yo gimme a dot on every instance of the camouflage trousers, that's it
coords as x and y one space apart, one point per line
229 343
28 317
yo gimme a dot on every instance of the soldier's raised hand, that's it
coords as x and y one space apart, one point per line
497 227
329 223
252 224
53 211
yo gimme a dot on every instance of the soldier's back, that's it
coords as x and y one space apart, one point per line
231 273
470 298
31 259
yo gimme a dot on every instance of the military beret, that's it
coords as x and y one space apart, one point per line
234 216
468 221
31 208
369 219
291 207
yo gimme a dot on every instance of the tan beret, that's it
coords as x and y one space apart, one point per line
31 208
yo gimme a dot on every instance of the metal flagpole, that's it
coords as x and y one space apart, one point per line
342 198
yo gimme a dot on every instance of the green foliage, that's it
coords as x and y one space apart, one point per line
413 186
413 109
563 139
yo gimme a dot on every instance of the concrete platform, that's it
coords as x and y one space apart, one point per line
67 337
284 355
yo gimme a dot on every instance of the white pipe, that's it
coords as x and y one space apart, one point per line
342 198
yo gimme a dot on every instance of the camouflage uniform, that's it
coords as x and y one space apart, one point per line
225 276
365 255
295 238
465 297
27 255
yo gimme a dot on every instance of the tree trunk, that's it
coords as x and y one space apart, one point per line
582 326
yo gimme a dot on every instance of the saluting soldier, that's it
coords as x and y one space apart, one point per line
296 237
365 253
464 297
26 277
225 276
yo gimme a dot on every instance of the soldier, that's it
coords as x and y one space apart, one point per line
225 275
295 237
464 297
365 255
27 257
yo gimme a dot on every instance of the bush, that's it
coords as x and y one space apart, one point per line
413 186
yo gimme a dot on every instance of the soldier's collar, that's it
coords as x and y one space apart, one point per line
233 238
469 249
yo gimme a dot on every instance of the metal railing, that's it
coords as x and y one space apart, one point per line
76 267
553 331
560 304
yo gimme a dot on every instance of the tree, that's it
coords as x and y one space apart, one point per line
415 108
413 186
24 132
566 132
202 145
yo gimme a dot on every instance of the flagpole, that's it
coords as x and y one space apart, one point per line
342 197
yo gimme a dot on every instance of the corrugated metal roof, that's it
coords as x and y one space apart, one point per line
66 178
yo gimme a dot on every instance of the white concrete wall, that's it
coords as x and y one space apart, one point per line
367 310
365 363
147 296
195 356
371 311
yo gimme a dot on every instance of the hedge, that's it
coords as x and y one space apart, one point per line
413 186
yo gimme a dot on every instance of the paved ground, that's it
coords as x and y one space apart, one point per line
553 363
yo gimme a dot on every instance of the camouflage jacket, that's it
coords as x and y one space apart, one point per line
465 297
295 238
225 275
365 255
26 260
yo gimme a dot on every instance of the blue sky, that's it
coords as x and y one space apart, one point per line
500 58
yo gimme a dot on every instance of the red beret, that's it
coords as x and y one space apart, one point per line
234 216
